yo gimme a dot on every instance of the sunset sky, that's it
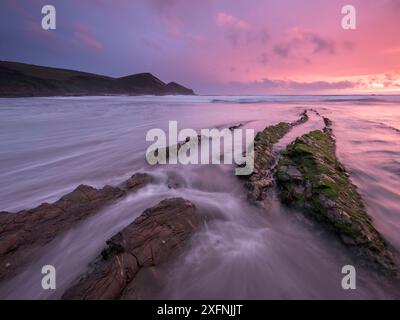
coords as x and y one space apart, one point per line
216 46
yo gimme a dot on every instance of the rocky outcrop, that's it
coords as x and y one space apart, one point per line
264 158
150 240
310 176
261 178
172 151
236 126
176 88
304 118
137 181
23 232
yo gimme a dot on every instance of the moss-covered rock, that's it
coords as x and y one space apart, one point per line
261 178
310 176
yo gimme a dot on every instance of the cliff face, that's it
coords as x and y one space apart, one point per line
24 80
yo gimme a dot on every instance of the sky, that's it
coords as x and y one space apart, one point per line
215 46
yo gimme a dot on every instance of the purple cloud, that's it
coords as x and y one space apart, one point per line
300 40
282 50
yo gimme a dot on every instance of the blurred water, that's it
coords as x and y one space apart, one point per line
50 145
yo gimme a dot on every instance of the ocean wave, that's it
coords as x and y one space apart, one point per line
385 126
241 101
305 98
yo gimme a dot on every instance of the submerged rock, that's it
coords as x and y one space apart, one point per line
23 232
304 118
137 181
327 121
234 127
150 240
310 176
172 151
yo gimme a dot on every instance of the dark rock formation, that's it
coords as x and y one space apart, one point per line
137 181
25 80
27 230
264 159
310 176
261 178
176 88
173 150
304 118
150 240
327 121
237 126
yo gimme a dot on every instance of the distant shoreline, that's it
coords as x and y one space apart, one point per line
20 80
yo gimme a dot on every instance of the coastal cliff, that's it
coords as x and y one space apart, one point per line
26 80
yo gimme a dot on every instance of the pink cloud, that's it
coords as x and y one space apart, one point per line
174 26
226 20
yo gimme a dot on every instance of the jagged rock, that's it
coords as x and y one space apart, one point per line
173 149
315 111
237 126
291 173
27 230
304 118
172 183
150 240
137 181
324 190
327 121
264 159
261 178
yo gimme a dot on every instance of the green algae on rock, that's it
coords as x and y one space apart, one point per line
264 159
261 177
310 176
